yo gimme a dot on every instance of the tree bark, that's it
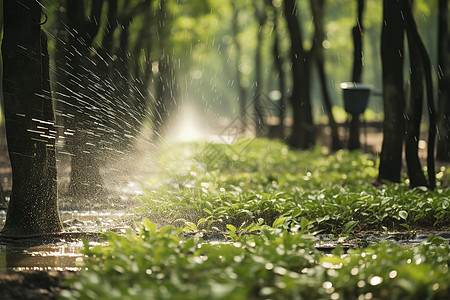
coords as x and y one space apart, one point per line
242 94
422 59
3 203
357 33
30 123
303 131
165 81
84 108
443 144
317 7
414 116
257 96
392 37
278 63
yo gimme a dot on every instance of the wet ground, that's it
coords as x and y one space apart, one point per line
36 269
60 252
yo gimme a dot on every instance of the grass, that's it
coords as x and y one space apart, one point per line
265 179
276 264
283 196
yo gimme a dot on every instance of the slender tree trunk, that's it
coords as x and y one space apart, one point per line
165 82
278 62
30 123
443 144
257 97
423 59
392 37
142 70
357 33
317 7
303 131
414 114
242 94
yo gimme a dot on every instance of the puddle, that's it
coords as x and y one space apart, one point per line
57 257
61 252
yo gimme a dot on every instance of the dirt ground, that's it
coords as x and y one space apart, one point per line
34 285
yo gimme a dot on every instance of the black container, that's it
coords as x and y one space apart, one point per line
356 97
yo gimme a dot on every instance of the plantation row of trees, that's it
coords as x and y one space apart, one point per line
115 64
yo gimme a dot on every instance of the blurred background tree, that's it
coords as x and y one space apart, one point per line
118 66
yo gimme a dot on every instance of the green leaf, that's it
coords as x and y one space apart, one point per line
278 222
191 226
231 228
149 225
435 240
349 226
403 214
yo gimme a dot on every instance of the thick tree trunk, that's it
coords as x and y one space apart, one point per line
357 33
30 123
84 107
443 144
392 37
303 131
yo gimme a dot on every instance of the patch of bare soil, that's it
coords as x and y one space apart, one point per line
33 284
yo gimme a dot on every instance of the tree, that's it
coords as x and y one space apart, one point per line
95 83
261 16
30 123
357 34
443 144
421 72
80 98
278 64
399 14
303 131
392 37
166 86
317 8
242 94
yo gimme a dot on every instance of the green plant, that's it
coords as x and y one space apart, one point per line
331 193
277 263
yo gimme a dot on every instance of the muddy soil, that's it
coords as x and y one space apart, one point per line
36 285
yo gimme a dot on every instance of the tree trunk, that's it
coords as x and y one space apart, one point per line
84 107
414 115
3 203
443 144
257 97
242 95
317 8
30 123
303 131
278 63
392 37
357 33
423 59
142 70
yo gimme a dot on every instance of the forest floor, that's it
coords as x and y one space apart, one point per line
125 179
